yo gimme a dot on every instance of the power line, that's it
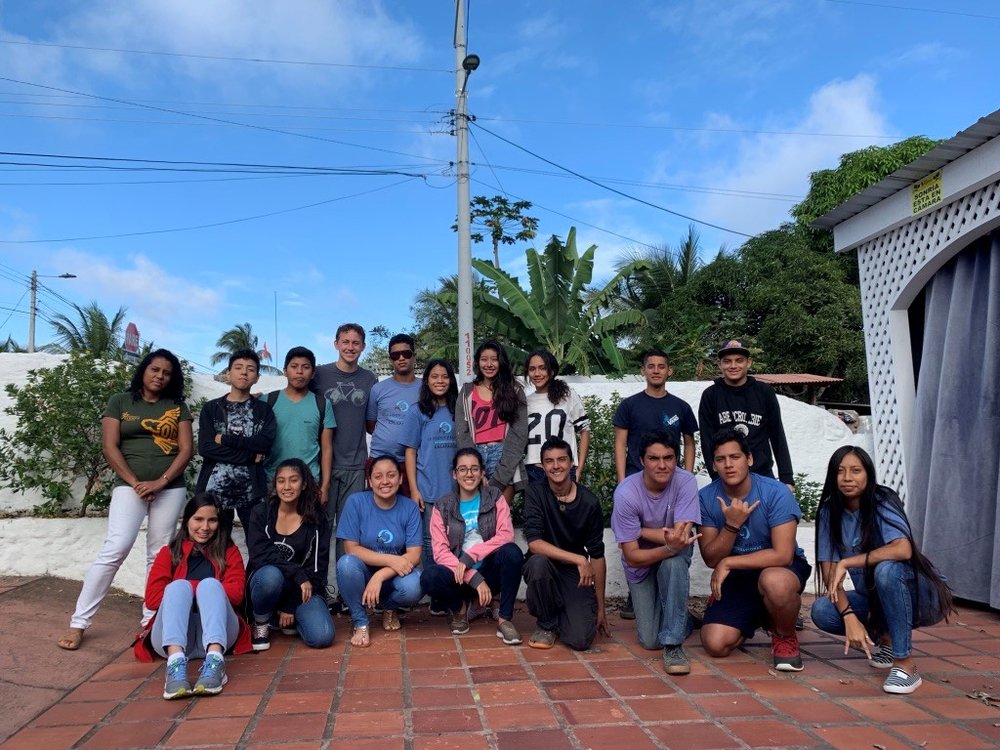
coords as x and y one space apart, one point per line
684 129
15 309
917 10
224 58
608 188
209 225
235 123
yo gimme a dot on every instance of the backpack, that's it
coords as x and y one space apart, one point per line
272 398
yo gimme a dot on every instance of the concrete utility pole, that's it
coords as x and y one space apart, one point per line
465 64
33 310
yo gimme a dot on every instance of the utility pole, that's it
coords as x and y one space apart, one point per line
465 64
33 310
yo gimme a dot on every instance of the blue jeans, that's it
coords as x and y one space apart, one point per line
353 576
895 591
268 586
427 553
660 602
501 571
179 623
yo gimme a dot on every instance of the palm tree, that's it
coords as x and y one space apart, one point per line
559 311
93 332
240 336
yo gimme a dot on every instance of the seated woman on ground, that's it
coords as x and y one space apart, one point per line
862 531
194 586
474 551
382 535
289 545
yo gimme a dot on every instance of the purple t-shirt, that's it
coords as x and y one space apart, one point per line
635 508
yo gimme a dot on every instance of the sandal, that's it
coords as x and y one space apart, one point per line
72 640
360 637
390 620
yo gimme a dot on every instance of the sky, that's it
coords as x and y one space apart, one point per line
289 163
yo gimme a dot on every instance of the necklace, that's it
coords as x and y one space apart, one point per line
567 498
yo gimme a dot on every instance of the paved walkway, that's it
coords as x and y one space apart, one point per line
423 688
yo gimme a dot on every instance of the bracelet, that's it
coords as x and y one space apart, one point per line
847 612
731 529
670 549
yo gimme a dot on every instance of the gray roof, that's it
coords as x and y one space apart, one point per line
946 152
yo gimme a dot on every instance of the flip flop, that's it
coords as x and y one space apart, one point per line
72 640
390 620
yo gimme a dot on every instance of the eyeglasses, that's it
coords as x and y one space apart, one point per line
404 354
463 470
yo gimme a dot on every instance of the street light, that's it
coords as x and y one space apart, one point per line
34 293
466 64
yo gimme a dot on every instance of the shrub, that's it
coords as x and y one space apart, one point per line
807 493
58 437
599 473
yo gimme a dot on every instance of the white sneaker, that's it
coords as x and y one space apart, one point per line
900 683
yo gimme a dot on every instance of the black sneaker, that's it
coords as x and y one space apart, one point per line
260 636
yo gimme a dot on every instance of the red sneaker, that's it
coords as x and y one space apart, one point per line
785 649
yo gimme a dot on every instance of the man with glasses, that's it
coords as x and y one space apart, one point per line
389 402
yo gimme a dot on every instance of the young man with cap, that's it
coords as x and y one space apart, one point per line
740 401
748 525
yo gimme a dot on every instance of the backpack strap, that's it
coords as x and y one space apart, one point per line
321 407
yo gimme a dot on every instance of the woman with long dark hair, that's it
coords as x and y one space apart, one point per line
195 585
554 411
289 545
428 437
492 416
147 439
862 531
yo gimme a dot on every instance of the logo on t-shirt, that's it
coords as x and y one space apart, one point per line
385 537
445 427
742 429
402 405
346 392
164 429
669 421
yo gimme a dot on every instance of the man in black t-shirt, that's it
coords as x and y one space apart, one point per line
565 571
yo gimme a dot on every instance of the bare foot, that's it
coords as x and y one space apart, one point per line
360 637
72 640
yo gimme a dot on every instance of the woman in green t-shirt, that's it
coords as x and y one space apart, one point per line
148 442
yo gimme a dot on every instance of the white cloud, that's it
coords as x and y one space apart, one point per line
149 291
782 163
348 32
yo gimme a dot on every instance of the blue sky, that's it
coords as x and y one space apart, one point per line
717 109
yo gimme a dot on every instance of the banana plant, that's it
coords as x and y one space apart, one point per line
559 310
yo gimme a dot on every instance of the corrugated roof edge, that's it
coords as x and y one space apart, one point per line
985 129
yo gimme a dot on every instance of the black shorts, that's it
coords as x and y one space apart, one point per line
741 605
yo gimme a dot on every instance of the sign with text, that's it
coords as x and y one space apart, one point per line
131 346
926 192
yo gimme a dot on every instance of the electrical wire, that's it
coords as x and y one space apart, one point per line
917 10
224 58
607 187
210 225
235 123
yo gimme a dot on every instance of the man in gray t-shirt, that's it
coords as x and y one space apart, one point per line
390 400
346 386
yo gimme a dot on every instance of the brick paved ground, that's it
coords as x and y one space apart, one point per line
423 688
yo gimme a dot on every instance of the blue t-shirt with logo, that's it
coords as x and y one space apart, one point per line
642 413
388 404
434 440
889 526
777 506
384 530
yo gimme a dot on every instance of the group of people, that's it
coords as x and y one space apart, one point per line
333 527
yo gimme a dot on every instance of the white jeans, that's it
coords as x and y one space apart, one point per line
125 516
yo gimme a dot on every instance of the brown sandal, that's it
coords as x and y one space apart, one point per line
72 640
390 620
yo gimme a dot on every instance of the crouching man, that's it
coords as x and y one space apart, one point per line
748 525
652 518
565 571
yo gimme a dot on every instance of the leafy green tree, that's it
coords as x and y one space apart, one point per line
92 332
435 316
505 222
240 336
858 170
11 346
559 311
57 441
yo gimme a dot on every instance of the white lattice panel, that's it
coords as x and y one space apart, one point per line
888 264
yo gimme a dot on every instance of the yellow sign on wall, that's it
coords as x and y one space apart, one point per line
927 192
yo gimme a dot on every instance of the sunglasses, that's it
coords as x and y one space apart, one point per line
405 354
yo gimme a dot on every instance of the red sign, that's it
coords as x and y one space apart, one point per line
132 339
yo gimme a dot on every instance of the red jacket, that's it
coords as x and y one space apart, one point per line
163 572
